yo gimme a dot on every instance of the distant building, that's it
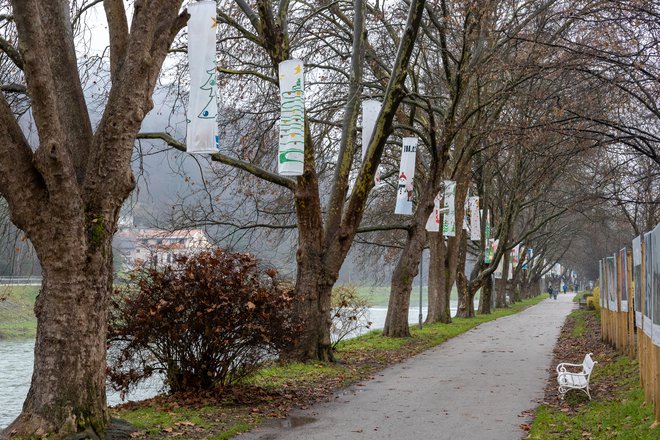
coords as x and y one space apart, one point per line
157 247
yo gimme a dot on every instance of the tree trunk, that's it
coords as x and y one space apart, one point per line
465 299
501 287
486 296
438 307
396 322
313 297
313 287
67 393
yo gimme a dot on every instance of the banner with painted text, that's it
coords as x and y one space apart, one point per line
623 270
475 219
611 284
648 285
637 279
291 152
433 222
655 283
449 219
501 272
487 238
202 127
406 189
370 110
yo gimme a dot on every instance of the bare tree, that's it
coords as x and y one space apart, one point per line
67 192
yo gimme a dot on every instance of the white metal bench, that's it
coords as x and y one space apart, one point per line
569 380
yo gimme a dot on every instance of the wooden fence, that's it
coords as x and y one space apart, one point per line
630 308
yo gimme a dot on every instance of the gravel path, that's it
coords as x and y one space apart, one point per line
475 386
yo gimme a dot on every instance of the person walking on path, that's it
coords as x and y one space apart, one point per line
552 292
477 385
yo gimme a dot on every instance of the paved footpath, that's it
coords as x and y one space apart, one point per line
474 386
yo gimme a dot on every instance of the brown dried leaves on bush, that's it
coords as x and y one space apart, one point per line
209 320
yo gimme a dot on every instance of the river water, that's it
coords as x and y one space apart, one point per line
17 357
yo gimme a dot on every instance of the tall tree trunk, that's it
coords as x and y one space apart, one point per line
313 307
67 392
396 321
486 296
438 303
501 284
66 195
465 299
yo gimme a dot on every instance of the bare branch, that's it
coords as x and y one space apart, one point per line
222 158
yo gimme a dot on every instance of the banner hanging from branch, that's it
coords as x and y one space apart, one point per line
466 213
487 238
514 256
499 272
449 219
406 190
370 110
291 152
202 127
433 223
475 219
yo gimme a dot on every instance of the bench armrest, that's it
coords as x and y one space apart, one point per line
561 368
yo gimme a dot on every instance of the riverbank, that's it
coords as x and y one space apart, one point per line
274 391
617 409
17 318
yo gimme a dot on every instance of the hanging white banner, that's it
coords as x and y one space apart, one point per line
466 211
514 256
202 127
449 219
433 223
475 219
406 189
500 269
290 155
370 110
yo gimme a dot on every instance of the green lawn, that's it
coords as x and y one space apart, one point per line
621 417
378 296
17 311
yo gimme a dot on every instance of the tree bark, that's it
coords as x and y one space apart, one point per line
438 302
501 284
66 196
396 321
465 298
486 296
67 393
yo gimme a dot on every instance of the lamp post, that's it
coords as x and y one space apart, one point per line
421 283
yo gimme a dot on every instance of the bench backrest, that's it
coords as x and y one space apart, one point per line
588 363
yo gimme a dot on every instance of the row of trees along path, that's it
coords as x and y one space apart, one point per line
507 100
